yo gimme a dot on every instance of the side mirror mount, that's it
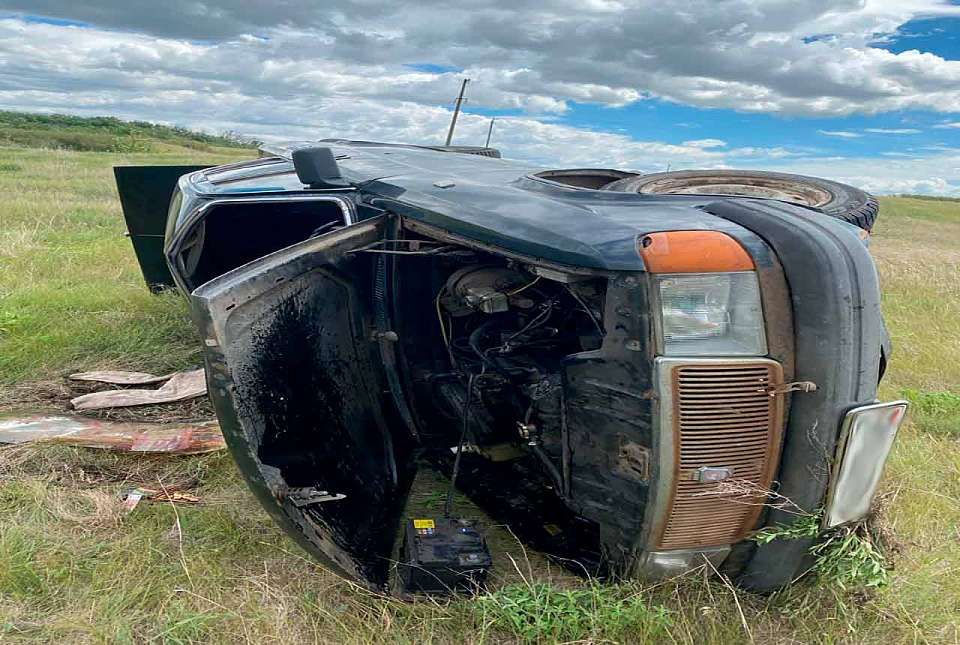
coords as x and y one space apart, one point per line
317 168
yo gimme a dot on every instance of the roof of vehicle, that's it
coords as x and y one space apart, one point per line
491 200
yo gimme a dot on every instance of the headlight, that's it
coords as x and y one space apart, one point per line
711 314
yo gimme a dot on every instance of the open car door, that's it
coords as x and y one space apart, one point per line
298 388
145 193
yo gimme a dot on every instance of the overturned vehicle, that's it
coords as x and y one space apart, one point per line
623 368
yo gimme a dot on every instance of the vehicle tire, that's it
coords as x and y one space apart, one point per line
835 199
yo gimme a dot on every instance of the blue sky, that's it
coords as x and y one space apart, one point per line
884 134
940 36
677 123
861 91
51 20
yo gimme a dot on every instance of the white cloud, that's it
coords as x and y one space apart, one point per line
930 174
893 130
843 134
342 68
706 143
780 56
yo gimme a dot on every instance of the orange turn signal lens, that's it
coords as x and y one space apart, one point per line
693 252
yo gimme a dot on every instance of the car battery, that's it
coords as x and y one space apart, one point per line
443 555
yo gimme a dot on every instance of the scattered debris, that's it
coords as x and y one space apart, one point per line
183 439
180 386
131 499
135 496
118 377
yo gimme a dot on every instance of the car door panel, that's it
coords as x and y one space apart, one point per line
298 389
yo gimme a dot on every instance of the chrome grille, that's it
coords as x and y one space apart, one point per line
721 417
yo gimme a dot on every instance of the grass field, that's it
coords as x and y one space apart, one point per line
72 569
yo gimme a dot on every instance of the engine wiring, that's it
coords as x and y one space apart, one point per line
537 321
443 329
505 361
524 287
448 506
587 311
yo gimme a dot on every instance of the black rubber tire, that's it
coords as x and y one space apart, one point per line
830 197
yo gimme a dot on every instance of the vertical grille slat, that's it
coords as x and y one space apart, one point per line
721 417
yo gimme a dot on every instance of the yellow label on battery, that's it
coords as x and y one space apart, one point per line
424 524
552 529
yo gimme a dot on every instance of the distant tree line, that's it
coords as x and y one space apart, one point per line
106 134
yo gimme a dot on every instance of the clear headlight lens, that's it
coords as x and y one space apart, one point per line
711 314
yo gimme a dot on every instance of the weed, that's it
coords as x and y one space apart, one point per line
805 526
845 556
541 612
848 558
131 144
934 402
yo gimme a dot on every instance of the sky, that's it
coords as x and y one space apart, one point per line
861 91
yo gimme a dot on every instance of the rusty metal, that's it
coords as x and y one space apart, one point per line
721 417
741 185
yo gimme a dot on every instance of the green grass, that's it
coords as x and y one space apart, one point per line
70 293
74 570
604 612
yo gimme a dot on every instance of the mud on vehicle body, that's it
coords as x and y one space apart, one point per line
629 365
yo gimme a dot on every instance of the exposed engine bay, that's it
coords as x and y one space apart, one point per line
485 340
507 332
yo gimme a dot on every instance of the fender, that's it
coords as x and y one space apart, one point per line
839 333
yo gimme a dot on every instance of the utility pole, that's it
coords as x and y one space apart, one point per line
489 132
456 110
